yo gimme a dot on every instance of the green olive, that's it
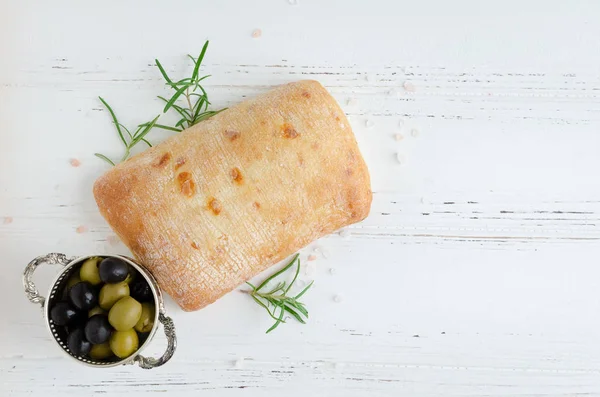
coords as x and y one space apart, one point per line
125 314
96 310
124 343
74 279
89 271
146 321
101 351
132 275
111 293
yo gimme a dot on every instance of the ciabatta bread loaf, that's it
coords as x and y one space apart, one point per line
220 202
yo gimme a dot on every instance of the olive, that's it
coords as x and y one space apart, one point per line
74 279
77 343
96 310
113 270
125 313
64 314
89 271
124 343
101 351
146 321
83 295
111 293
98 329
140 290
130 276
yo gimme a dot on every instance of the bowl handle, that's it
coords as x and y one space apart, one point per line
169 327
30 290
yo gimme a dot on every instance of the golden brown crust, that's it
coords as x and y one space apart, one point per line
220 202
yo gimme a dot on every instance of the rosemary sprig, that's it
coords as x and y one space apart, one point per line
276 301
196 110
191 93
129 140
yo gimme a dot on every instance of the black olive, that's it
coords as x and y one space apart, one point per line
113 270
97 329
83 296
140 290
64 314
77 343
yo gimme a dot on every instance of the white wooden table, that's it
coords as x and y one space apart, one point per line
477 272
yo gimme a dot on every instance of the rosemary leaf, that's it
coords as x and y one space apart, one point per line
279 272
163 72
115 121
187 80
174 97
199 61
183 112
279 321
294 314
279 287
162 126
138 137
265 307
126 130
293 280
304 290
300 307
103 157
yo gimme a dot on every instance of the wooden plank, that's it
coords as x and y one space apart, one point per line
476 273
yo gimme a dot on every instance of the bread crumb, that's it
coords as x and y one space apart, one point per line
256 33
345 233
400 158
337 298
312 257
310 269
414 132
398 137
75 162
81 229
369 123
239 363
332 271
7 220
113 240
352 102
321 250
409 86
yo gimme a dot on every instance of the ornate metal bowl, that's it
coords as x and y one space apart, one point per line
70 265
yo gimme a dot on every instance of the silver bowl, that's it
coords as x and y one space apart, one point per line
55 295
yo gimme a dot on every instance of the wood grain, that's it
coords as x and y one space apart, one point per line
477 272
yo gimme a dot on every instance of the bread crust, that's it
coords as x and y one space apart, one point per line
220 202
